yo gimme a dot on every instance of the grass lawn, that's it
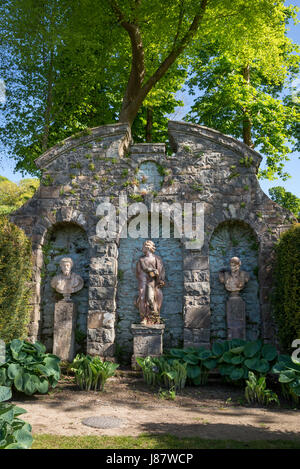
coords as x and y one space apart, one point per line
152 442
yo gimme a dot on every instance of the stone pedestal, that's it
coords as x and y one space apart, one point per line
64 330
147 341
236 318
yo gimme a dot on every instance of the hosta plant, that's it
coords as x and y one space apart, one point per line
237 357
199 362
91 373
289 377
14 432
28 368
163 372
256 391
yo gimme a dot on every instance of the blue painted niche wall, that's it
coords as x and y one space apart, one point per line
234 238
130 250
64 240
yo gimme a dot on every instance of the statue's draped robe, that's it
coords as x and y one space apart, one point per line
145 281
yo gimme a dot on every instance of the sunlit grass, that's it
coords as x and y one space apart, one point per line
152 442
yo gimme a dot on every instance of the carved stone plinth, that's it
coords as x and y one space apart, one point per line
147 341
236 318
64 330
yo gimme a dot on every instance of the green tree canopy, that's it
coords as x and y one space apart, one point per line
285 199
71 64
13 195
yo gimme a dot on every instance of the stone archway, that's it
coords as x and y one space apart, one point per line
170 250
229 239
64 239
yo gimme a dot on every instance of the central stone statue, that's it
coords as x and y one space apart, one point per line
150 273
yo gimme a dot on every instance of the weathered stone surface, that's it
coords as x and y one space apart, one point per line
100 164
197 317
147 340
236 318
64 330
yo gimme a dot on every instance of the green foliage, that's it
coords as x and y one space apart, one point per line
256 391
285 199
13 195
286 297
15 274
91 373
169 395
28 368
199 362
68 74
159 371
237 357
14 432
241 84
289 377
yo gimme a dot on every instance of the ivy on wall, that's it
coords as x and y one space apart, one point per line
286 297
15 275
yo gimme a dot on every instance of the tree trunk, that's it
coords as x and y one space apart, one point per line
247 124
48 107
149 124
136 91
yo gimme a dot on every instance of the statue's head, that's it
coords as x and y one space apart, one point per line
66 265
235 264
148 246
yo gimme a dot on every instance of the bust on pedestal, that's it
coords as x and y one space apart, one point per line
148 335
234 281
65 283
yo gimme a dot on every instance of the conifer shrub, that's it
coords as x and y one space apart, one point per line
15 275
286 295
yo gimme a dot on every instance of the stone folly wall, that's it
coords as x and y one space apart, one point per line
205 166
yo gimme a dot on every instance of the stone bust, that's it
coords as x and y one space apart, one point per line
67 282
235 280
150 274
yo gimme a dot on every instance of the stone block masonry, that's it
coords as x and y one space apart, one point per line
100 164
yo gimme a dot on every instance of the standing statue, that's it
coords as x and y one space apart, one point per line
150 273
234 281
68 282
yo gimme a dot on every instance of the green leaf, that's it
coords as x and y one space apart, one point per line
286 376
218 349
251 348
177 353
191 359
269 352
193 372
236 374
237 360
252 363
24 438
210 363
18 382
43 386
204 354
12 370
5 393
16 345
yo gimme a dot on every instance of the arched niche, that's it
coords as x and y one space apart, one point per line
230 239
65 239
130 249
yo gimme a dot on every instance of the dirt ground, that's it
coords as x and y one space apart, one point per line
214 411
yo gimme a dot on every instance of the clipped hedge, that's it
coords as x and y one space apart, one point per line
286 296
15 274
